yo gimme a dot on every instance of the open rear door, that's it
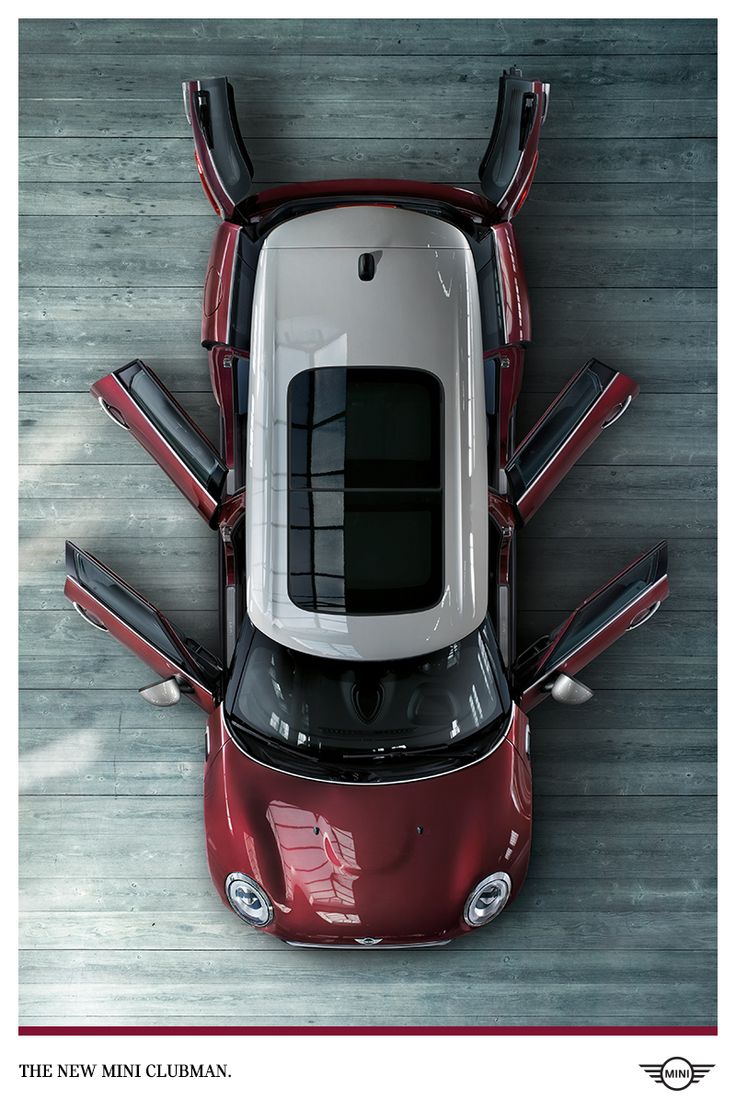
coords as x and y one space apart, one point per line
110 605
223 162
134 398
592 401
623 604
508 166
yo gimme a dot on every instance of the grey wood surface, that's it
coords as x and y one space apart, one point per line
119 922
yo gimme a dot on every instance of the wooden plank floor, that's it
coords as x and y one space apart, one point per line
120 924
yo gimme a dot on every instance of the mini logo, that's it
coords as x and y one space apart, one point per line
676 1073
369 940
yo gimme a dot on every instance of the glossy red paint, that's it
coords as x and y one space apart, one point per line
396 860
510 377
231 511
214 190
344 861
524 191
362 189
503 517
518 190
614 397
512 280
137 644
223 387
501 511
627 618
230 515
114 395
206 187
218 285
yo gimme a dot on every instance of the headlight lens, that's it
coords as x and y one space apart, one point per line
248 899
488 899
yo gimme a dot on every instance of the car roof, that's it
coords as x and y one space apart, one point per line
418 313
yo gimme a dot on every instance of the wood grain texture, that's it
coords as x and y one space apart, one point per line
678 653
355 115
544 565
579 509
374 79
616 924
162 251
428 989
657 836
684 199
136 916
68 428
566 762
314 37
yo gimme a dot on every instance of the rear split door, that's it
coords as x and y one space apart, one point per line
223 162
508 166
592 401
134 398
109 604
623 604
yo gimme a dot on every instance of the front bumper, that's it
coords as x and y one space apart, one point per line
377 943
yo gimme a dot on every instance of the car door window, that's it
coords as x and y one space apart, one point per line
174 426
222 158
127 606
592 617
557 425
592 401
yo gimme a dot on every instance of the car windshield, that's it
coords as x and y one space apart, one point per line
368 721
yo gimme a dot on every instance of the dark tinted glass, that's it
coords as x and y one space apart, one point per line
358 551
365 500
127 606
241 304
242 375
612 600
361 427
558 424
490 308
174 426
355 717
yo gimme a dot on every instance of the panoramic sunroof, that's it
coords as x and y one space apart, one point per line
365 490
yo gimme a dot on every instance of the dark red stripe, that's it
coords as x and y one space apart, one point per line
239 1031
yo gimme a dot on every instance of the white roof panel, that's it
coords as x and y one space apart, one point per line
420 310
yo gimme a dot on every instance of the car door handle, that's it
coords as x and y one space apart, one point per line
111 413
93 621
619 414
645 617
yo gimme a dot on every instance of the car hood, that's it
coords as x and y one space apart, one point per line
395 861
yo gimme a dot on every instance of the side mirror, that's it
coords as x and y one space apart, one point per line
569 690
165 693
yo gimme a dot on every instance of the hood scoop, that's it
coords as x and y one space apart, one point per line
367 699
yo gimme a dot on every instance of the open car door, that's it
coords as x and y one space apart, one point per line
624 603
134 398
592 400
507 170
224 165
109 604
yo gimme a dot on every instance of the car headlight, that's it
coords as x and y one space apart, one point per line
488 899
248 899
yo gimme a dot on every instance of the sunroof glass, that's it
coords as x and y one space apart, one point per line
365 500
363 428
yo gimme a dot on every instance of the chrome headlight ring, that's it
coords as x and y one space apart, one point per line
487 899
248 899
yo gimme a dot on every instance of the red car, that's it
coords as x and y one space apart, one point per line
367 778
